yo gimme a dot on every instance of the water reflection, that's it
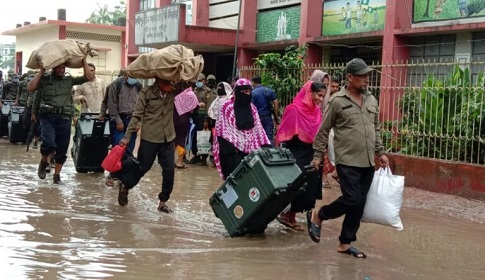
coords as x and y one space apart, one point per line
77 231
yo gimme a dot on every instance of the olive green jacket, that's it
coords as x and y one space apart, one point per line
57 92
155 113
357 130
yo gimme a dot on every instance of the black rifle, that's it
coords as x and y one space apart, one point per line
30 136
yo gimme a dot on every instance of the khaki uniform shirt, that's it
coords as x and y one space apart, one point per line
357 130
93 91
155 113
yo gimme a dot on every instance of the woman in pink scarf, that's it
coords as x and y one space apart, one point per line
238 130
299 125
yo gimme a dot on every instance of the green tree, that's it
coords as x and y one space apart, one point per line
9 62
283 73
103 15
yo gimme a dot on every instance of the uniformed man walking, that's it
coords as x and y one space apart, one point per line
154 109
54 107
199 116
23 92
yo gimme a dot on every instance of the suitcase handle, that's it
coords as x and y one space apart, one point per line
238 171
266 156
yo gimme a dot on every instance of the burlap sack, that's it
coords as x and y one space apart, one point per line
54 53
173 63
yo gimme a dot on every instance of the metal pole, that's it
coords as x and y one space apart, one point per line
237 40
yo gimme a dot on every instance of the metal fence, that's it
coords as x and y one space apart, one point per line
430 109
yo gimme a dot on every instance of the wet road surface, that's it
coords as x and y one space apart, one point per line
78 231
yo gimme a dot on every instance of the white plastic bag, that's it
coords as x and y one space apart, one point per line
384 199
203 142
331 149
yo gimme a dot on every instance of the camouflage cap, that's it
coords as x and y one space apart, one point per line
201 77
211 77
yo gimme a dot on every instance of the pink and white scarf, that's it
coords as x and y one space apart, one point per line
244 140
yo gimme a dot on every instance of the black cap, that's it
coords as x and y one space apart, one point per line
256 79
357 67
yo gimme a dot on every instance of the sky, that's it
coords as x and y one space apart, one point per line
18 11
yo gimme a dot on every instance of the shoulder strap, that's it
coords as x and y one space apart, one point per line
119 83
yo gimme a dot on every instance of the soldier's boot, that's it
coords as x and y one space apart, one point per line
41 172
57 179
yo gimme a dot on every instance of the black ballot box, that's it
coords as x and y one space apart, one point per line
91 143
16 129
5 111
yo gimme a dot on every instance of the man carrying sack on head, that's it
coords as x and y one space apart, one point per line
54 108
154 111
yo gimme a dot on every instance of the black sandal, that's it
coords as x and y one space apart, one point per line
354 252
313 229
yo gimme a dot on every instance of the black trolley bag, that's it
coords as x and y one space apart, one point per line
5 111
16 129
91 143
265 182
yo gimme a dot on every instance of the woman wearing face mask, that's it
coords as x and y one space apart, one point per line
224 91
299 125
238 130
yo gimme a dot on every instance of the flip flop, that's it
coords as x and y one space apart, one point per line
165 209
354 252
181 166
287 223
313 229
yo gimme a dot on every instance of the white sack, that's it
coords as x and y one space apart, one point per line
384 199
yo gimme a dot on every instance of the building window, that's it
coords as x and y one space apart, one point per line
99 61
425 52
147 4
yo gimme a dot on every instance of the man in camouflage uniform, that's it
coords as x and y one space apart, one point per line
10 88
28 110
22 92
54 107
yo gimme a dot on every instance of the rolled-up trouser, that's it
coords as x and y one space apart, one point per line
56 134
166 157
354 184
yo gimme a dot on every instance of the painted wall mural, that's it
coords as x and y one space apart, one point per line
352 16
277 25
459 11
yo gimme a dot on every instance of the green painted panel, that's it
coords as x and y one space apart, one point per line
277 25
350 16
442 10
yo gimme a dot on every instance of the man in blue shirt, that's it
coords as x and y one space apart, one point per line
265 101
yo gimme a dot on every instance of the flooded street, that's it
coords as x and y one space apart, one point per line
78 231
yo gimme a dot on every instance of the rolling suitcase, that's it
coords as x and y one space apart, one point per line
265 182
91 142
4 117
16 130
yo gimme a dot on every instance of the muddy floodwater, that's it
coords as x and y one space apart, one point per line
78 231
